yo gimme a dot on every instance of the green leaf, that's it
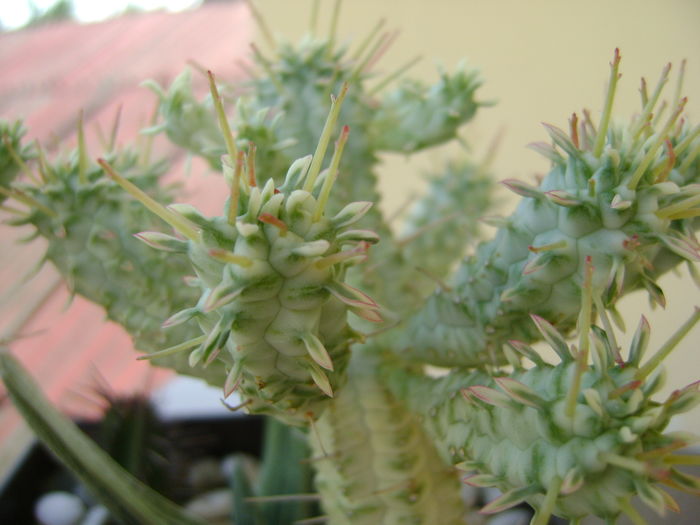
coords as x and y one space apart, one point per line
126 497
284 471
244 512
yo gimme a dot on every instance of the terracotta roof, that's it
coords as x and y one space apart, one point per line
50 73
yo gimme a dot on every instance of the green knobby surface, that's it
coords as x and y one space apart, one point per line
374 462
89 223
285 111
526 434
629 204
444 222
128 499
277 275
12 154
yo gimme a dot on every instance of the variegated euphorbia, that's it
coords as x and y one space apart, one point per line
277 274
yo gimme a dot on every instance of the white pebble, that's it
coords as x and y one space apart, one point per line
511 517
59 508
97 515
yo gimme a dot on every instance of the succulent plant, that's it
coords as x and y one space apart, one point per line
13 156
298 248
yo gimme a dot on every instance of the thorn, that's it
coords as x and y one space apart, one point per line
278 223
314 17
230 257
520 392
553 337
669 346
631 464
368 39
607 110
314 430
317 351
233 378
333 29
619 391
262 25
562 198
611 346
640 341
320 378
649 103
545 510
22 197
488 395
584 328
221 296
561 139
374 50
372 59
508 500
187 345
332 174
667 166
522 188
115 129
547 150
235 189
643 91
236 408
83 161
18 160
250 164
221 115
559 245
632 513
326 133
526 351
573 124
351 256
481 480
175 220
651 152
395 75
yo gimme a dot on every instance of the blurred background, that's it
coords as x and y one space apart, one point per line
540 60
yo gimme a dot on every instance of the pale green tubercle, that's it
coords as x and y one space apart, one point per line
89 224
374 462
284 113
415 116
271 270
635 218
188 122
13 155
445 221
517 433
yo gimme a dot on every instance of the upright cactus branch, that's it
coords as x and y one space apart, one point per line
279 270
624 196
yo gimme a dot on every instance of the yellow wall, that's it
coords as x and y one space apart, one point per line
541 60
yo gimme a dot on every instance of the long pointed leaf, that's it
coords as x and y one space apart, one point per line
126 497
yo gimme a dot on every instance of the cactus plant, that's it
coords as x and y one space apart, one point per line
308 304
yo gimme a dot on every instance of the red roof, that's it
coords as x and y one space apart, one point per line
50 73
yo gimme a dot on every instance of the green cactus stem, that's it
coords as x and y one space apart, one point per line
90 224
625 196
282 108
13 157
573 438
374 462
271 271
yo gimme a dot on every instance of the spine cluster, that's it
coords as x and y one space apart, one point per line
624 196
271 271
